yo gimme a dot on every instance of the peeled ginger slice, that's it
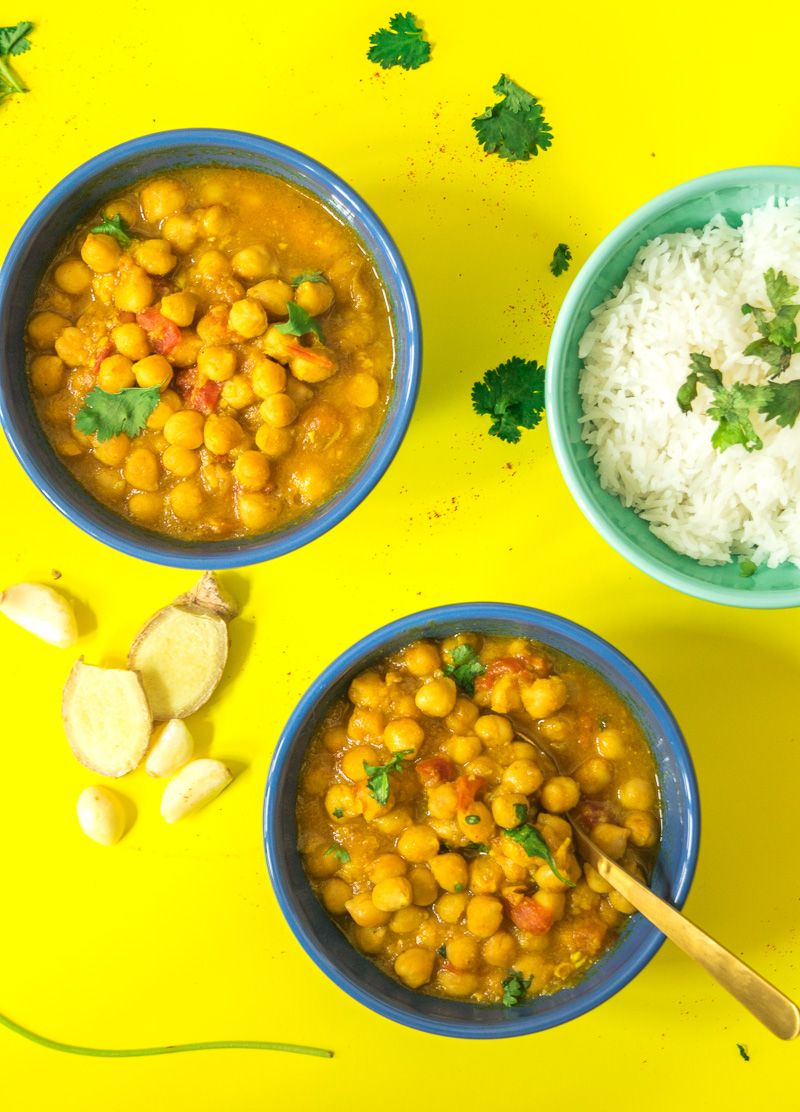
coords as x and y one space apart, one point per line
106 718
42 611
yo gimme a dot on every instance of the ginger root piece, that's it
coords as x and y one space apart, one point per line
42 611
193 787
181 651
106 717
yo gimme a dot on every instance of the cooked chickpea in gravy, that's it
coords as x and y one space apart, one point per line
416 802
254 426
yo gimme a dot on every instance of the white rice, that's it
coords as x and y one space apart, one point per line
683 294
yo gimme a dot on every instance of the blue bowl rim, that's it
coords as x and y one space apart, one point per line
355 490
680 581
524 1023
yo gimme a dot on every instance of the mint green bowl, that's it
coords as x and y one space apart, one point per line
691 205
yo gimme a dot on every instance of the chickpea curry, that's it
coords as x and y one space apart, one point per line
434 837
245 341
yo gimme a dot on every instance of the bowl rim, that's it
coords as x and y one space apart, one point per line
523 1023
556 418
204 554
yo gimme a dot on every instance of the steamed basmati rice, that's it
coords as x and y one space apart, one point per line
683 294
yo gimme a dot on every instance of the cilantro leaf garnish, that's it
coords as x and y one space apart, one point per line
778 341
513 394
111 414
514 988
747 568
299 323
13 42
472 820
442 951
338 812
515 126
535 846
402 46
339 852
309 276
378 775
465 667
477 847
521 811
729 407
562 257
743 1052
115 226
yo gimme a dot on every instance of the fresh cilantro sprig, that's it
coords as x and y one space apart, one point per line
13 42
339 852
514 127
378 775
109 415
300 322
513 394
514 988
778 341
465 668
309 276
729 407
402 46
535 846
562 257
117 227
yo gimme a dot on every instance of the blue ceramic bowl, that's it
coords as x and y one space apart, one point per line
691 205
354 972
70 202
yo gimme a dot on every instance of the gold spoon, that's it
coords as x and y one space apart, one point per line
763 1000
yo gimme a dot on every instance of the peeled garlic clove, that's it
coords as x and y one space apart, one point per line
172 748
195 785
101 815
42 611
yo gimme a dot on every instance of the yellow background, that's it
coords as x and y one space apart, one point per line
174 935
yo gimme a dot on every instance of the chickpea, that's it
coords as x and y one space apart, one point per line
306 367
255 263
370 939
101 253
414 967
128 212
611 839
216 362
594 775
418 844
185 429
510 810
403 734
319 863
237 393
278 410
643 828
336 895
422 658
47 374
131 340
248 318
183 462
386 866
521 751
393 822
113 451
145 507
560 793
437 697
485 874
484 915
423 885
214 220
341 803
155 256
185 353
523 776
153 370
462 717
186 500
180 308
499 950
257 511
334 739
251 470
134 291
456 983
476 823
637 795
162 198
273 295
450 871
115 374
392 894
408 920
110 484
44 328
267 377
594 880
610 744
494 729
462 951
315 297
309 483
72 347
362 390
365 724
73 276
619 903
555 902
364 912
352 762
274 343
442 801
452 906
213 265
489 769
221 433
544 697
181 231
464 749
141 470
368 690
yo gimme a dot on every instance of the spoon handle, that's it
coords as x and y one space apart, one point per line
763 1000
